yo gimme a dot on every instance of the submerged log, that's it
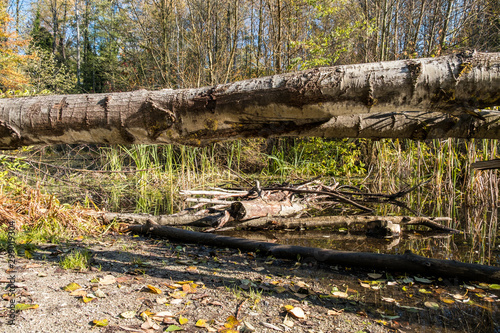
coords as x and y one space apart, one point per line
407 262
344 221
403 99
204 220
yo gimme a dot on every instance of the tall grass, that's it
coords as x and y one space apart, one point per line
147 178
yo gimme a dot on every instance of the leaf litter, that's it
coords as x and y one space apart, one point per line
208 295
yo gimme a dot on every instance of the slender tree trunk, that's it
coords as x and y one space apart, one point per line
444 30
78 61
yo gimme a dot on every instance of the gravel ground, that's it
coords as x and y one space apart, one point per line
132 275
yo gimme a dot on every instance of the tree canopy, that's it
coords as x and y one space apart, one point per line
123 45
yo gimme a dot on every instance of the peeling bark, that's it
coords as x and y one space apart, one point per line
375 100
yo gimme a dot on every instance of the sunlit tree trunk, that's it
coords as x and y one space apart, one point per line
406 98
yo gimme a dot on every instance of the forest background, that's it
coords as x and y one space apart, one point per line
88 46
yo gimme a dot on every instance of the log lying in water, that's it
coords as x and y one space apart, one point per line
407 262
342 221
275 223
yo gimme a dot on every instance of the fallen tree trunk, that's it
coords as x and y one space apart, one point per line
205 220
201 220
373 100
408 262
341 221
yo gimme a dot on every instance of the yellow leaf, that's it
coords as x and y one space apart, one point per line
72 287
183 320
201 323
231 322
86 299
184 282
154 290
288 307
447 300
146 314
22 306
101 323
178 294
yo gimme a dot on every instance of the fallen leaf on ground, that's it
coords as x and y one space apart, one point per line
189 288
297 313
388 299
201 323
153 289
178 294
192 270
183 320
432 305
99 293
424 291
173 328
78 293
100 323
274 327
340 294
334 312
72 287
374 275
422 280
108 279
447 300
23 306
122 279
184 282
128 314
231 322
149 324
176 301
161 300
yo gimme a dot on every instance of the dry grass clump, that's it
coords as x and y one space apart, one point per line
31 209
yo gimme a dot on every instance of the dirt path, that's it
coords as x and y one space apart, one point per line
132 275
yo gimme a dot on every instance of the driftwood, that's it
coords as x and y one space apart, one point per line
407 262
410 98
245 210
194 220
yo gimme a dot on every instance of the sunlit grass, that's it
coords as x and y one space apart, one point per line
77 260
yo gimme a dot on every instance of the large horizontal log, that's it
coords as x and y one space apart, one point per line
385 99
398 263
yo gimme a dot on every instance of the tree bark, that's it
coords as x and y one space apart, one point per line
407 262
405 99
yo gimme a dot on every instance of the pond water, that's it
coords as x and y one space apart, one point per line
458 247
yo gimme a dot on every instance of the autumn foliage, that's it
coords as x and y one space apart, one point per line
11 62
